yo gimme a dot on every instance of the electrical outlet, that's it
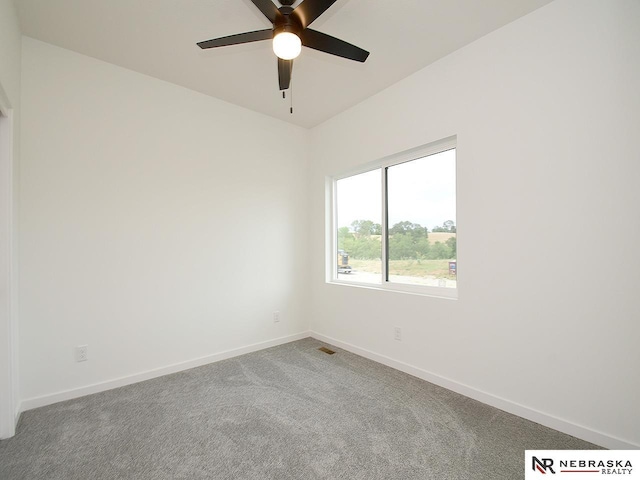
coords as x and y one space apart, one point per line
276 317
82 353
397 333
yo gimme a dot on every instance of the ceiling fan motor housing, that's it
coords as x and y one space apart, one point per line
287 22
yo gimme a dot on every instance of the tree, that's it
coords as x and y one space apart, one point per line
408 240
449 226
439 251
357 241
363 228
414 229
452 243
343 233
401 247
345 239
366 248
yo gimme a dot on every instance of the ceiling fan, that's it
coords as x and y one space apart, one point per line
290 31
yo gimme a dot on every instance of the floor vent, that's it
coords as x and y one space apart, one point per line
326 350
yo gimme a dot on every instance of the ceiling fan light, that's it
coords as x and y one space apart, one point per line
287 45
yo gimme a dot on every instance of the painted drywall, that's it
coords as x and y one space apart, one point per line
158 225
546 111
10 39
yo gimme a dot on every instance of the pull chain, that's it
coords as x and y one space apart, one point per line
284 95
291 98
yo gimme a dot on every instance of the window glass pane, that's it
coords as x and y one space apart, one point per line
421 208
359 216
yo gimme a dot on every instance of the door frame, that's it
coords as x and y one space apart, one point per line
8 319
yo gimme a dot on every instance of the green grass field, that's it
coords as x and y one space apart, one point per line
412 268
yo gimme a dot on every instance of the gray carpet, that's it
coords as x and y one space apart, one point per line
288 412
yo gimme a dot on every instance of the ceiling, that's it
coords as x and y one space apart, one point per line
158 38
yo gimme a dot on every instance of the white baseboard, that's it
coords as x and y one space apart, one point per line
44 400
578 431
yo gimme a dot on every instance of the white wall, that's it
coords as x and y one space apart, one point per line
9 154
10 51
547 114
158 225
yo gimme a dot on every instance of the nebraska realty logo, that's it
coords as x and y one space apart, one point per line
584 464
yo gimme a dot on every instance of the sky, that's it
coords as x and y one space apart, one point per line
421 191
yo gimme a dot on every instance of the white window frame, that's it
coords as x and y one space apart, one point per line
331 223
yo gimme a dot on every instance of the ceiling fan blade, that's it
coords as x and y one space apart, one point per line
268 9
237 38
334 46
285 67
309 10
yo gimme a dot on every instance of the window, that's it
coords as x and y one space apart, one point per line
359 220
395 223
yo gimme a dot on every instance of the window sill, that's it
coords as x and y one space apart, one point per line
420 290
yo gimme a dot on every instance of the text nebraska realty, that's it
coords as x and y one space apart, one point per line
606 467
